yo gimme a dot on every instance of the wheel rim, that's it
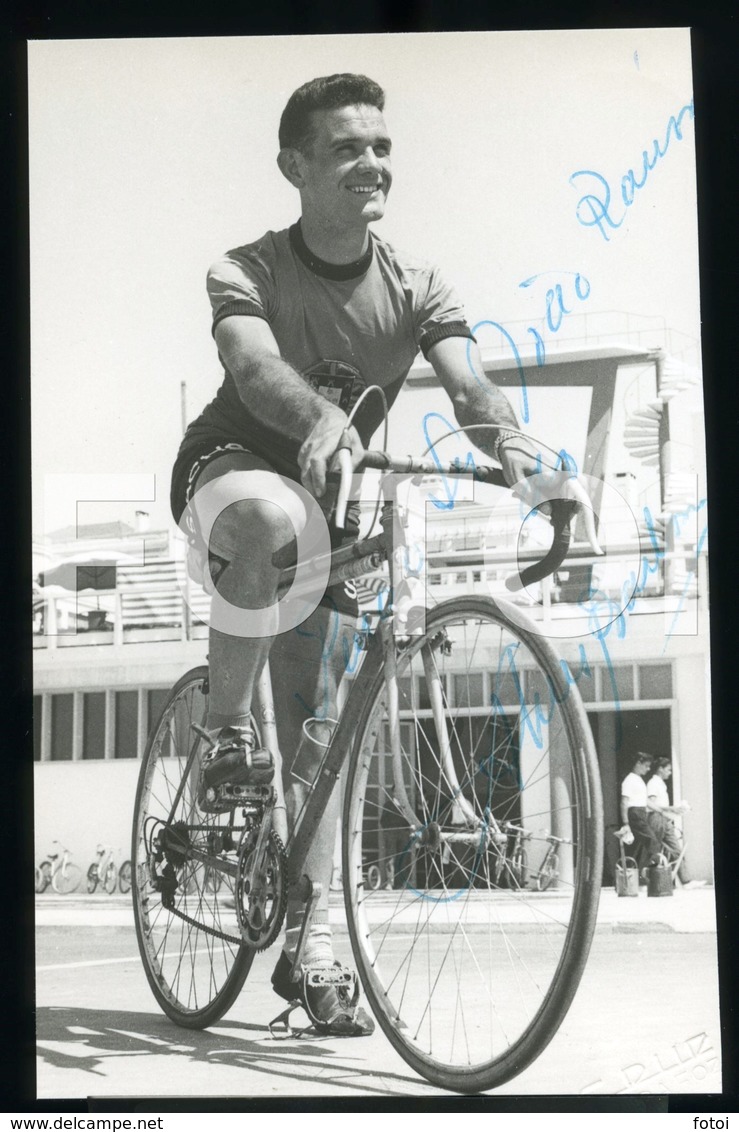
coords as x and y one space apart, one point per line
470 977
190 966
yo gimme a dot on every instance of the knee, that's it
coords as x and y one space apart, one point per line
251 529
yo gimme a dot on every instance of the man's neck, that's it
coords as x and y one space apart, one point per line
334 246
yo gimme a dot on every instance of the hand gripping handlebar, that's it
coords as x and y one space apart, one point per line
562 510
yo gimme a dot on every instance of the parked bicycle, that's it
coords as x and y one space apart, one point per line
465 996
124 877
103 872
548 873
512 865
59 871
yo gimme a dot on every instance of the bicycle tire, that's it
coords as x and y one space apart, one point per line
124 877
43 873
431 954
67 879
194 973
110 880
374 877
92 878
548 873
519 870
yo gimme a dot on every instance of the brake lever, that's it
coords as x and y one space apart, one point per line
563 512
343 457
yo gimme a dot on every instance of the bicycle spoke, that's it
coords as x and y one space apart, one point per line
464 954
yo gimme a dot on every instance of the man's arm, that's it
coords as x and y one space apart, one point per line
278 397
477 400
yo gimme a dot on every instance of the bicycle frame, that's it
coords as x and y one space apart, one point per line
354 560
347 562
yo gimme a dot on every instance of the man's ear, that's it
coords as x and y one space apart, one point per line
290 162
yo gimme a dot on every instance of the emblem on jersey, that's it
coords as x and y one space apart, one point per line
338 382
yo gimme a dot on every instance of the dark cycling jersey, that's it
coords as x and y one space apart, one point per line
343 327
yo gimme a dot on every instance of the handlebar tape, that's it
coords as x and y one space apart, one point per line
563 512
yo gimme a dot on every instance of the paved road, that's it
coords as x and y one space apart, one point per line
645 1019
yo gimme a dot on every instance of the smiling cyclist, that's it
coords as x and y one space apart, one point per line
304 320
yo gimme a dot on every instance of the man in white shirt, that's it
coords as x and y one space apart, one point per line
634 812
660 809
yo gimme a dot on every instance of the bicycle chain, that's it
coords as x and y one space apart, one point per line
282 856
204 927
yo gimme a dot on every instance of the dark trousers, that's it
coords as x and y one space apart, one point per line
647 845
666 832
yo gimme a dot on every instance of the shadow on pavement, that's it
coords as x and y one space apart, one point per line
91 1037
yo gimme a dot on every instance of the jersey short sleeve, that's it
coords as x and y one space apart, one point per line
438 312
242 282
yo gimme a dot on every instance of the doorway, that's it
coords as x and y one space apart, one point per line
618 736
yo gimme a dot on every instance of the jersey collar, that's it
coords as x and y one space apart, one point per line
337 271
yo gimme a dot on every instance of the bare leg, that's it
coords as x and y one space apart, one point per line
306 662
307 665
248 532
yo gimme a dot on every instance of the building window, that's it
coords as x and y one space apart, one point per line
620 675
655 681
93 725
126 724
468 691
156 698
62 717
583 676
37 707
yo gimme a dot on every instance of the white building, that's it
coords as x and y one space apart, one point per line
104 660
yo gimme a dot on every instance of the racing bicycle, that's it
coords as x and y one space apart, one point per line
462 727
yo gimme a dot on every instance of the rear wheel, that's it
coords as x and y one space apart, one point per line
111 878
124 877
188 935
92 878
67 879
468 976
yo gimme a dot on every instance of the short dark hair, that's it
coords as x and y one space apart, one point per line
328 93
661 763
641 757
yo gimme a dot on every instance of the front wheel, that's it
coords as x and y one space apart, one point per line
92 878
188 935
468 978
548 873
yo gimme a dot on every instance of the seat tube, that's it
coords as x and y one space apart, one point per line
462 811
263 709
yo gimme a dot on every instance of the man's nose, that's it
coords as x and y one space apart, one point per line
370 161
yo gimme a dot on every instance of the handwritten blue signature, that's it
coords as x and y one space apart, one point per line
572 288
468 465
597 208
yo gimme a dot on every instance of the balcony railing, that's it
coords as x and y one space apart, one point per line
149 605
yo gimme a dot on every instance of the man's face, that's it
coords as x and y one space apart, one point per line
665 772
346 173
642 767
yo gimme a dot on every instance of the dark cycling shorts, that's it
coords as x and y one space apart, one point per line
341 597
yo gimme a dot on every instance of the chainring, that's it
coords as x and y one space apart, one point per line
261 893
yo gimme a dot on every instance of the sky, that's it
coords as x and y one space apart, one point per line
150 158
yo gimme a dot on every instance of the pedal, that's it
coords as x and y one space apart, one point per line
334 976
218 799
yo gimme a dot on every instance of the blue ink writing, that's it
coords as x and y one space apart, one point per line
597 208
